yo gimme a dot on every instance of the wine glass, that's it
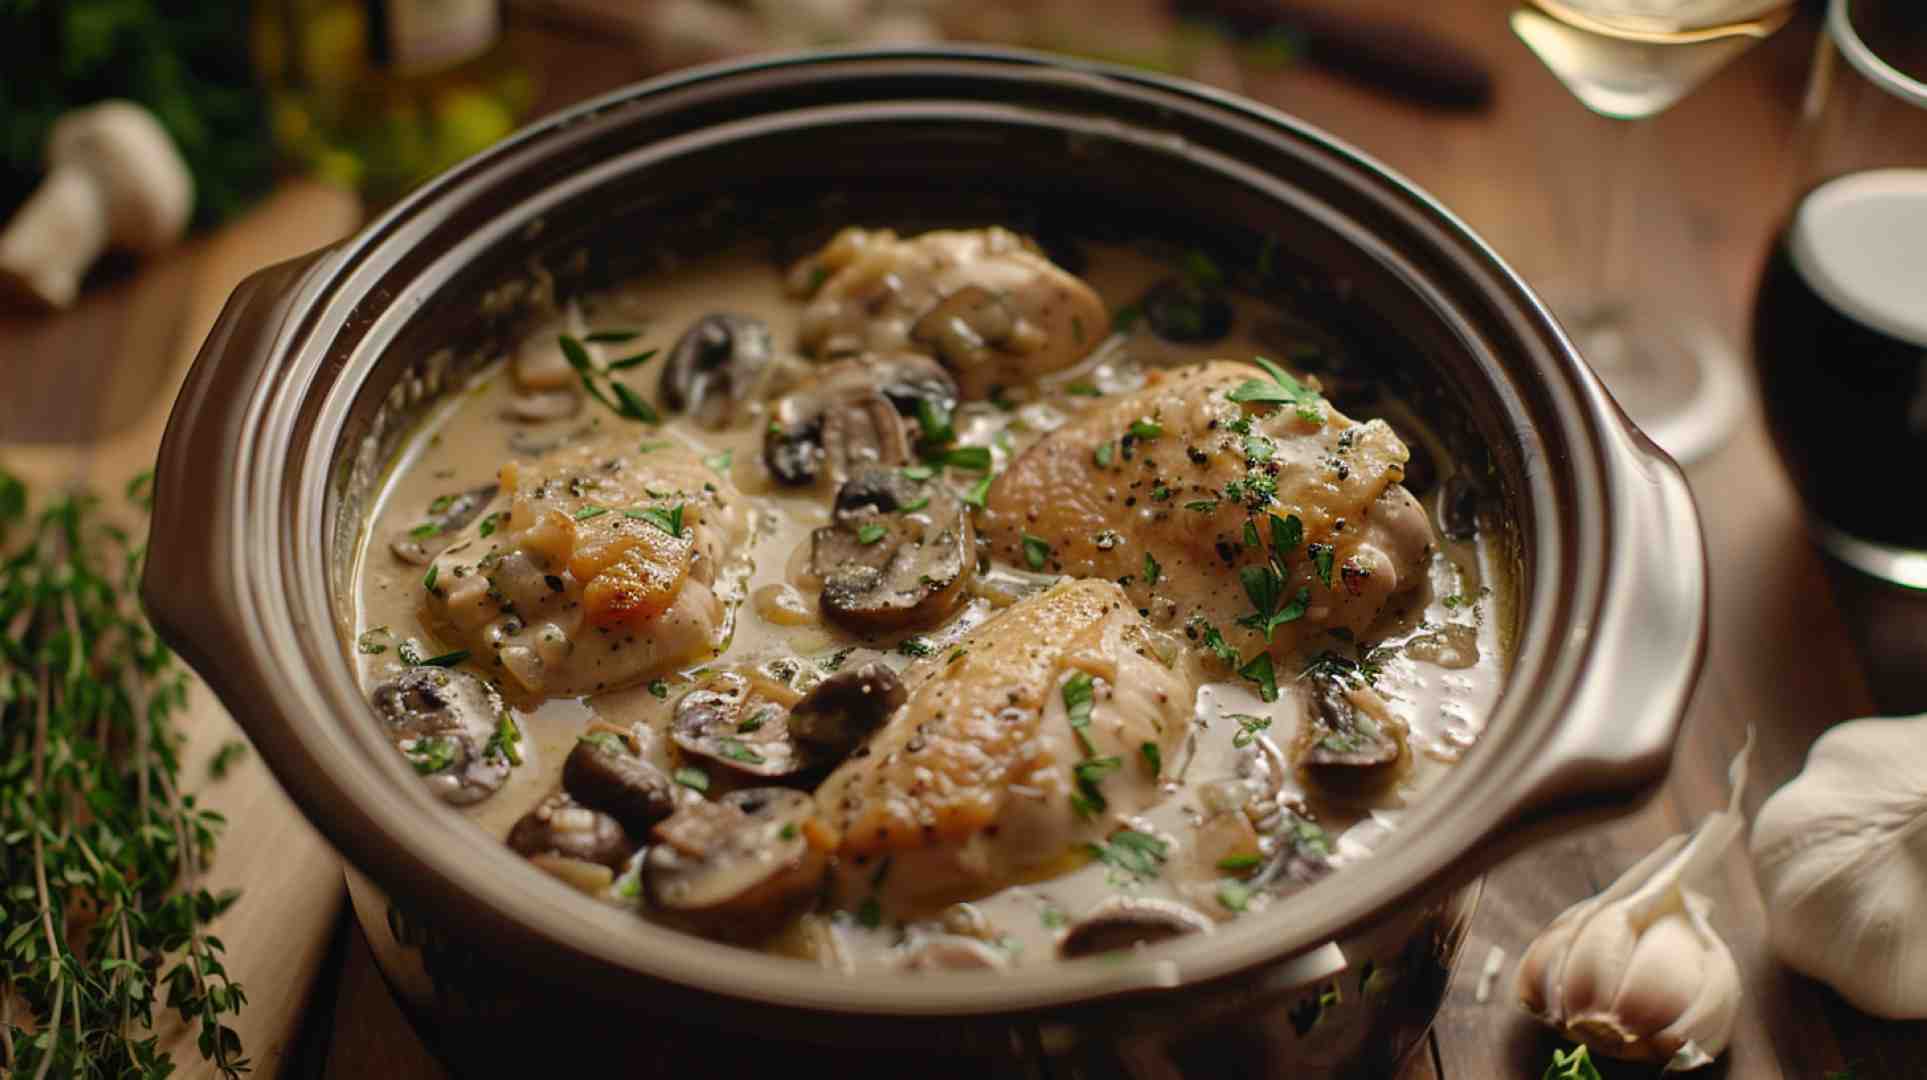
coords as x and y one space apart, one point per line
1628 61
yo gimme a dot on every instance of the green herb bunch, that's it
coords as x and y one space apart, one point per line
101 913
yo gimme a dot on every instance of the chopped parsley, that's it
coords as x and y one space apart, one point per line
606 741
1083 389
734 750
1146 428
1265 587
669 521
1234 895
447 659
1217 644
1321 560
870 914
1053 918
967 458
1036 551
441 504
1152 571
693 779
1104 454
1249 727
659 689
588 512
428 579
370 644
506 742
720 463
919 473
487 528
1574 1065
431 754
1283 389
1132 855
979 492
1153 758
916 647
912 507
1258 669
934 418
1202 506
1241 862
870 534
756 720
1094 770
425 530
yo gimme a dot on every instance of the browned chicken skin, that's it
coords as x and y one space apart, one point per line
971 783
1154 491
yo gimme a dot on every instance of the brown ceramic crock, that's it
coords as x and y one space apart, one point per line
318 369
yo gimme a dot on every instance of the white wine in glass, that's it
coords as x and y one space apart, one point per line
1628 61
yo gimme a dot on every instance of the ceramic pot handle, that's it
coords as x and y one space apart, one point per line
1649 634
189 584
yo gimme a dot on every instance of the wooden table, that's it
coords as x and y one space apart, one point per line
1782 657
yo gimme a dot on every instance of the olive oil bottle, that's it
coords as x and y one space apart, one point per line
379 95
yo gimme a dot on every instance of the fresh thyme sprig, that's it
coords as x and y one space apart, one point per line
618 398
101 852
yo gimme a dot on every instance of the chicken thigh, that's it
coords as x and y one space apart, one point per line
596 568
1016 746
1220 497
986 303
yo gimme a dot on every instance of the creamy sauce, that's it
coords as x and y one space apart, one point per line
1438 649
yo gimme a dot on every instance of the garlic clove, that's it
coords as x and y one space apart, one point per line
1840 854
1638 972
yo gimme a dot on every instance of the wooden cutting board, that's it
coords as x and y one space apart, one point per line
92 387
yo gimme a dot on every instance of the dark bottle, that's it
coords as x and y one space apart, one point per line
1840 339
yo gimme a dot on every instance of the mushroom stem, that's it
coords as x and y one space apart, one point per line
114 179
54 238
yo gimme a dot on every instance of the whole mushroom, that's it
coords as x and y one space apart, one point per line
452 727
114 180
718 365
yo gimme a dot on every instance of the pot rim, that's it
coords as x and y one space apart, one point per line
1628 495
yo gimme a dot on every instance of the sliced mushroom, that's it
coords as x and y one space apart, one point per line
842 710
537 406
604 774
740 721
852 415
447 516
718 365
452 727
1186 312
1350 746
967 326
735 868
1122 922
950 952
1301 850
899 555
560 826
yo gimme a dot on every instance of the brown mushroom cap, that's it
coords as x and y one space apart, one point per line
1122 922
736 867
851 415
719 364
842 710
443 721
561 826
602 773
1351 746
899 556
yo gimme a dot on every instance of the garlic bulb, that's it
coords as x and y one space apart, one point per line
1637 972
1840 853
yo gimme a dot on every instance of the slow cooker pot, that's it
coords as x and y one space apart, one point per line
319 368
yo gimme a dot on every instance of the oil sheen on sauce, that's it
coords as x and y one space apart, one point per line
1438 649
